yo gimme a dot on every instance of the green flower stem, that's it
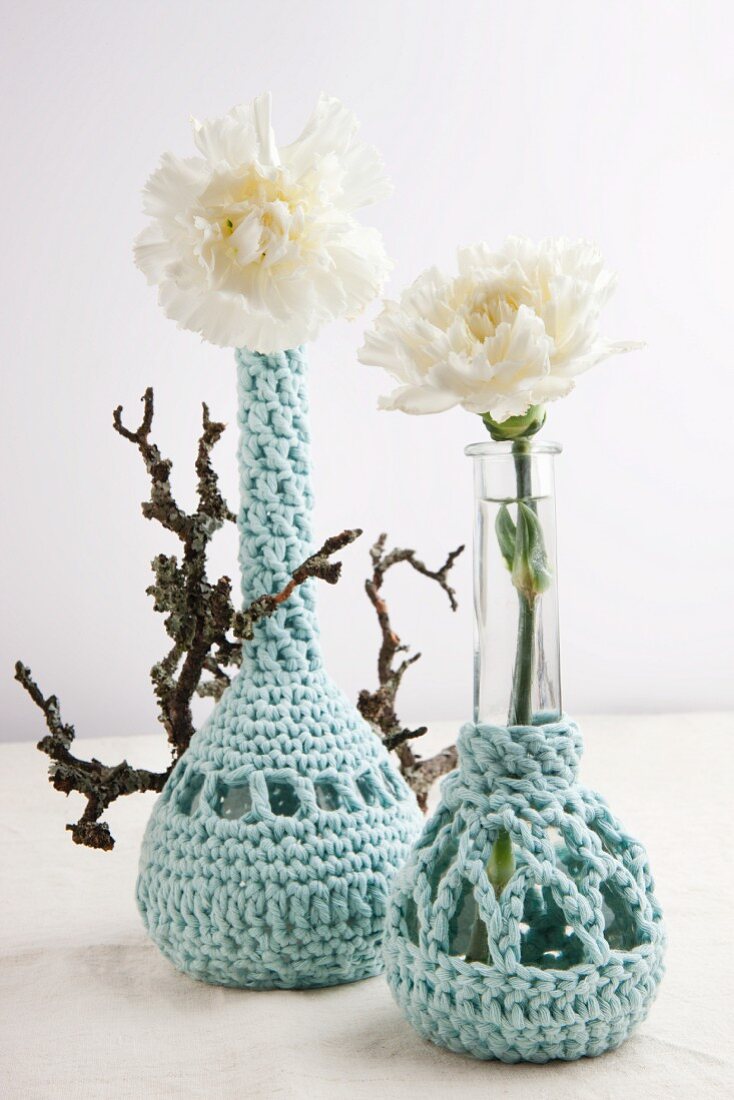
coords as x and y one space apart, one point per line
530 578
500 869
501 864
478 949
520 713
521 455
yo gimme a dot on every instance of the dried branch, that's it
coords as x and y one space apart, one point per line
318 565
378 707
206 632
99 784
198 613
207 636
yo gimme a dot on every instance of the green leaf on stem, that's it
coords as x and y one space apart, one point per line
506 532
530 572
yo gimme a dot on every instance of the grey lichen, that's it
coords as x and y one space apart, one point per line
207 635
205 630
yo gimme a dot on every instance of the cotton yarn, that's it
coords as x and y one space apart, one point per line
575 939
268 857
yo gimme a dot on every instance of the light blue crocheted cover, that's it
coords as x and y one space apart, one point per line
268 858
575 939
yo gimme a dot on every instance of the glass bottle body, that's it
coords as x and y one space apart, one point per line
517 676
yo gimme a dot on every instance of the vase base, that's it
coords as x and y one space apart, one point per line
229 978
470 1008
292 943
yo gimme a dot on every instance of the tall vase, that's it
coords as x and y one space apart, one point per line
524 926
268 857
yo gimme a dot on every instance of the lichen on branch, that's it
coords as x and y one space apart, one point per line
206 632
198 613
207 635
99 783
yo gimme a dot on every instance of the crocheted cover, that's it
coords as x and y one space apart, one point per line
575 939
268 857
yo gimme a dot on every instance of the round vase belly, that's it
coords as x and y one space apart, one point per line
573 942
268 858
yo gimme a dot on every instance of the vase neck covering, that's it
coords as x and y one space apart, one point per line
275 506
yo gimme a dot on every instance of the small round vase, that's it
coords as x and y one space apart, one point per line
524 926
269 855
574 942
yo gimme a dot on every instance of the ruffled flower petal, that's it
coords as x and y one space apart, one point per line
351 171
511 330
252 245
174 185
241 136
418 400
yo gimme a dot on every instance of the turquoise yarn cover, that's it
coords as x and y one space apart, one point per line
574 941
269 855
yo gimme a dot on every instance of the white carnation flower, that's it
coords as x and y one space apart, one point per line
256 246
510 331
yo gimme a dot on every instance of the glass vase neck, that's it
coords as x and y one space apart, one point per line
276 501
489 448
517 677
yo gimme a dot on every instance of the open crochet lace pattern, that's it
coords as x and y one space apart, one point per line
268 858
574 941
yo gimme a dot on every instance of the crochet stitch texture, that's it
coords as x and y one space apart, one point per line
575 939
269 855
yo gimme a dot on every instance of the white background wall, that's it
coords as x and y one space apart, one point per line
608 120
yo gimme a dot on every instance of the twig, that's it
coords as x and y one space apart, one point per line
99 784
318 565
378 707
198 613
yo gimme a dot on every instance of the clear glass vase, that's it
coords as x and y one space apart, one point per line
517 671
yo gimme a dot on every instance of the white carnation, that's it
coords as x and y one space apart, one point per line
510 331
256 246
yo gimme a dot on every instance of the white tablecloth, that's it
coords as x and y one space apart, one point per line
90 1009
